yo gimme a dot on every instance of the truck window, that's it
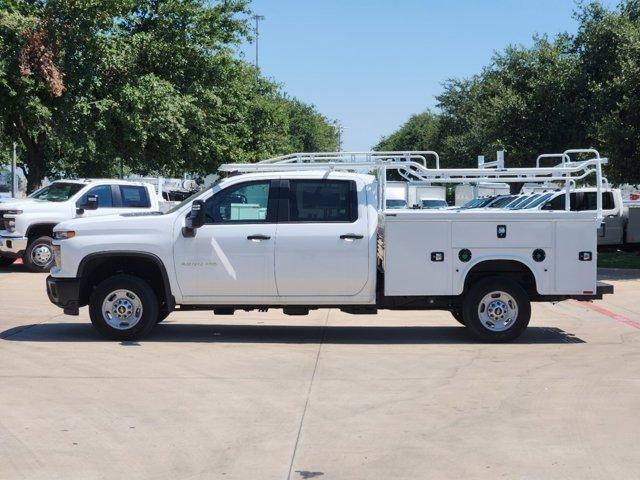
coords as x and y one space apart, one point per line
246 202
134 196
103 192
589 201
323 201
57 192
557 203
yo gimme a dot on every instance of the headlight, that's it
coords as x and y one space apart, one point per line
64 234
12 212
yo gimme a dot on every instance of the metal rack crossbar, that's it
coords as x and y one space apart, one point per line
412 167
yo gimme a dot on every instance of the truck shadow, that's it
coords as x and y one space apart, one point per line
295 334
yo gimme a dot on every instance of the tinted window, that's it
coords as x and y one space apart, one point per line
57 192
396 203
434 204
103 192
589 201
557 203
134 196
323 201
247 202
540 200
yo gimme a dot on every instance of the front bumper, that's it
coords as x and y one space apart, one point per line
65 293
12 246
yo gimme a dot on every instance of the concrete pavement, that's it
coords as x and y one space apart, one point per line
403 395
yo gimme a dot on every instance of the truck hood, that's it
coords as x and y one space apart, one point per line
13 201
34 206
117 223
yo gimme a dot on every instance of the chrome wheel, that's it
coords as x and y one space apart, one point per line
497 311
122 309
41 255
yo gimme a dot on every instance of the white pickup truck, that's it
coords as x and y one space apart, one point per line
26 225
300 234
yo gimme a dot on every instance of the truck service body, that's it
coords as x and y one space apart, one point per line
310 237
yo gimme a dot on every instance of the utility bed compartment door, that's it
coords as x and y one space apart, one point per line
519 234
573 240
412 263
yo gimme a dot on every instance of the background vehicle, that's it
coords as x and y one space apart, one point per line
433 203
27 224
396 203
297 236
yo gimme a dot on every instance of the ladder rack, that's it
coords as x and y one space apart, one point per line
412 166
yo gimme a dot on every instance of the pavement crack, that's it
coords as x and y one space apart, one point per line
306 403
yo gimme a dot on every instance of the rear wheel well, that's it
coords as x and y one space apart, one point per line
150 269
513 269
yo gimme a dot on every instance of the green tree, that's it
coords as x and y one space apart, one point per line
97 87
562 92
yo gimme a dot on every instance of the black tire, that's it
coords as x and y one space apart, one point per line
34 256
457 314
510 292
146 297
162 315
6 261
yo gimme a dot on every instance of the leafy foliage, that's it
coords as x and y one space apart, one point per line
99 87
560 93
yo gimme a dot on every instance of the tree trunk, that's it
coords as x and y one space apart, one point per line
35 161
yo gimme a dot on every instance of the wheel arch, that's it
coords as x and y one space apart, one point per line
40 229
98 266
511 267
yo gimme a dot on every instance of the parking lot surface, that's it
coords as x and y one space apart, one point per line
401 395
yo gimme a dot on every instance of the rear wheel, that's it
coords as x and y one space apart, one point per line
39 255
496 310
123 307
6 261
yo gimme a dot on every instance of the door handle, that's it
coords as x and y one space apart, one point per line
258 237
351 236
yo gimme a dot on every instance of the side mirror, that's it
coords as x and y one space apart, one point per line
90 203
195 219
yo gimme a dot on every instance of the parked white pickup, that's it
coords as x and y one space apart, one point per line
302 240
26 225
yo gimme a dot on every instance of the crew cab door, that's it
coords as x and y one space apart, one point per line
322 245
231 256
107 201
115 199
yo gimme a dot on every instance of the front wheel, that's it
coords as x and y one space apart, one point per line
496 310
123 307
39 255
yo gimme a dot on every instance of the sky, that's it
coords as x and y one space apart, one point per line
371 64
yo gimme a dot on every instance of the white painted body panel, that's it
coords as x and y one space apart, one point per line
307 263
411 236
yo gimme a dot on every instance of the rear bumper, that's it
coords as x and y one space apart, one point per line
602 289
65 293
12 246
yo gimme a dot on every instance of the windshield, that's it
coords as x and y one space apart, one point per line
396 204
501 202
187 200
35 193
538 201
527 202
434 204
519 202
472 203
478 202
57 192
